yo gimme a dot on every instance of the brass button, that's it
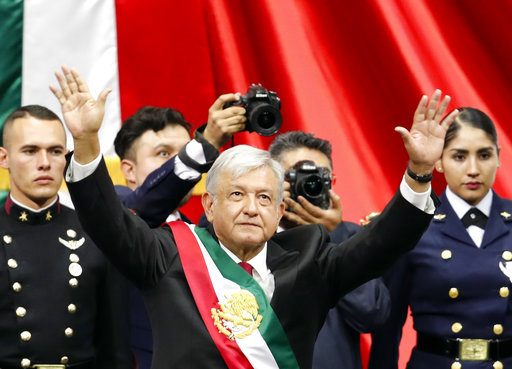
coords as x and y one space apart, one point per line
71 233
453 293
507 255
64 360
446 254
72 308
25 336
497 329
74 258
16 287
21 311
7 239
12 263
68 332
456 327
73 282
504 292
25 363
497 365
456 365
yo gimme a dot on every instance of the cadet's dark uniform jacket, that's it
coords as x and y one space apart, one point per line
61 301
455 290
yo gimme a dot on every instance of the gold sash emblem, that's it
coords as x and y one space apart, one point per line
238 316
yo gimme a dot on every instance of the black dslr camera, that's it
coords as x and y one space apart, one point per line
311 182
262 110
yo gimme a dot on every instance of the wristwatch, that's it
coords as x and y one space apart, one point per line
421 178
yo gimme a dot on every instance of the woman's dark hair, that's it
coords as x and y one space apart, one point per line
474 118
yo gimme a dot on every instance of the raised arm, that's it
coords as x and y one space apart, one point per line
424 141
82 113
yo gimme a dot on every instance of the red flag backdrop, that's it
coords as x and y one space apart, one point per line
348 71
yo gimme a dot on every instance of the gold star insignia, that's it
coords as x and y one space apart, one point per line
439 216
23 216
49 215
505 215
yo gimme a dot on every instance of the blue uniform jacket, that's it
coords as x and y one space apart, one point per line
454 288
360 311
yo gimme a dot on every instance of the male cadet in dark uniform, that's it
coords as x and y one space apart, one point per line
361 310
62 304
209 311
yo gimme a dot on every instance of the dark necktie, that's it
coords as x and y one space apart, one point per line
474 217
247 267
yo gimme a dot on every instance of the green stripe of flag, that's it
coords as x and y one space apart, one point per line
270 327
11 44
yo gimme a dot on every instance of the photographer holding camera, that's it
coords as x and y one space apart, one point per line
310 199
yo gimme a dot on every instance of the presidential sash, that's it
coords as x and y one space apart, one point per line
234 308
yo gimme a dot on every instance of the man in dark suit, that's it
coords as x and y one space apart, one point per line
207 311
161 164
62 303
361 310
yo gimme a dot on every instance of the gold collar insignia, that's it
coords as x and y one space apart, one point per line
23 216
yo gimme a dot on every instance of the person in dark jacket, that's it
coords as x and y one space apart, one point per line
62 303
159 181
209 311
359 311
457 280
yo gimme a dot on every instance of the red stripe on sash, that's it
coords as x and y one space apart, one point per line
201 286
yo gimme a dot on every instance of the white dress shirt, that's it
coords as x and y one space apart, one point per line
461 207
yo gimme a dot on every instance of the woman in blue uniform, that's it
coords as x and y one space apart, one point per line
457 280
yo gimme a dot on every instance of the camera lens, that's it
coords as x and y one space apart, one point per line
264 119
312 185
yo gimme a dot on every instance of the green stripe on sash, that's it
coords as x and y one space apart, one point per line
270 327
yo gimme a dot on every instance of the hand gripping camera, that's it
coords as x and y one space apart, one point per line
311 182
262 110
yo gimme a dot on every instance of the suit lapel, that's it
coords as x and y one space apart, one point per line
281 264
449 223
498 219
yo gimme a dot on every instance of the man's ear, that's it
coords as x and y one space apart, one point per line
129 170
280 211
208 200
3 158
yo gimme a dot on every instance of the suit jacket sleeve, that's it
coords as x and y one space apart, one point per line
162 190
386 339
159 195
369 253
112 334
368 306
140 253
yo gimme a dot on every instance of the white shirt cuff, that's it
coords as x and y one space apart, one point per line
194 151
76 172
422 200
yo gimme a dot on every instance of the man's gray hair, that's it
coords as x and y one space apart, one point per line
240 160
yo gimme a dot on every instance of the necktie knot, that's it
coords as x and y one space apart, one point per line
246 266
474 217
